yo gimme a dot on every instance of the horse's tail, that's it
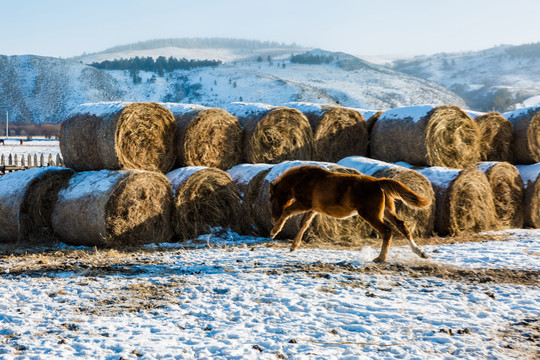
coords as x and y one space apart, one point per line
397 189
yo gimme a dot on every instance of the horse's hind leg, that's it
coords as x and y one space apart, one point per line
304 223
391 216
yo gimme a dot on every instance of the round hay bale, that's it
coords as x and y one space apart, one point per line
273 134
205 198
531 180
208 137
114 209
426 136
508 191
26 202
419 220
248 179
117 136
464 200
526 123
338 131
495 136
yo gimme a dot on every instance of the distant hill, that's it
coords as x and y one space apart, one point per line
499 78
41 89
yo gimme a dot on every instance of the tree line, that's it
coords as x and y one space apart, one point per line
159 65
311 59
27 130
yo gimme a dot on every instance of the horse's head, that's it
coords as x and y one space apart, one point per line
279 200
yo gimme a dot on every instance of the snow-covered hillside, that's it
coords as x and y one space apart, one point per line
44 89
40 89
494 78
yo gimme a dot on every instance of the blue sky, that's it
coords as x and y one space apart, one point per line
65 28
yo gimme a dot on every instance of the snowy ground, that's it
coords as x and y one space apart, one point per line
232 297
30 147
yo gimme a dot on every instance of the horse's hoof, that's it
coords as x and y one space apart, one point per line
423 255
379 260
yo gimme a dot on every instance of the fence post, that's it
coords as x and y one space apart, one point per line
51 163
59 160
42 160
2 160
16 160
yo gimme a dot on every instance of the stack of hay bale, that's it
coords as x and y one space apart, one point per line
145 172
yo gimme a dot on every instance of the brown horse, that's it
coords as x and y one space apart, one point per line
311 189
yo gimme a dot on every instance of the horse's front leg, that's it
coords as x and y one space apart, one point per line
295 208
304 223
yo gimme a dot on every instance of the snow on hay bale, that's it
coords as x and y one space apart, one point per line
419 220
338 131
248 179
464 200
26 202
526 124
118 135
323 228
206 136
114 209
531 178
273 134
205 198
426 136
495 136
507 187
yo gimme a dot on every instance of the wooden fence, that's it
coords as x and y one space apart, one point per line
12 162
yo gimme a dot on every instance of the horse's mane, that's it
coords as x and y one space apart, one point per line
300 170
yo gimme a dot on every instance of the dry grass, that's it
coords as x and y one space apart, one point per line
137 136
207 137
445 136
132 207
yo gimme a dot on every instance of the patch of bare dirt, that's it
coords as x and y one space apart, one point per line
476 276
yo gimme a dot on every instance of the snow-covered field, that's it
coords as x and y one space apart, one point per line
226 296
233 297
32 147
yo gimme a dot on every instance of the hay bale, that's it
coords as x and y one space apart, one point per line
248 179
208 137
508 191
426 136
26 202
273 134
205 198
495 136
419 220
117 136
531 180
526 123
114 209
464 200
338 131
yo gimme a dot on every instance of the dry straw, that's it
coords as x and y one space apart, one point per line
526 124
464 200
206 137
114 209
426 135
248 179
495 136
508 191
118 136
531 179
205 198
273 134
26 202
419 220
338 131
